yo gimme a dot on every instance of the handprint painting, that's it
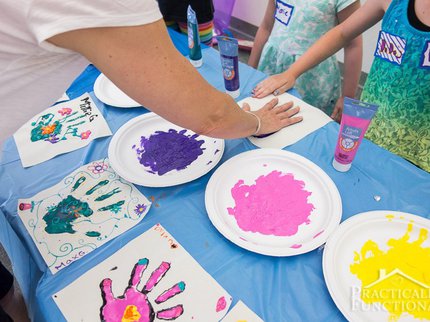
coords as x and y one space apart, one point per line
152 278
59 129
86 209
134 304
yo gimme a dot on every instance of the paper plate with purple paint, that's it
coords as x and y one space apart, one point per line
150 151
110 94
273 202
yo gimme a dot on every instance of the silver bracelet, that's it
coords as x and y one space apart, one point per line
258 122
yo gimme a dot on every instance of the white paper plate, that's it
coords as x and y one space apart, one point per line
124 160
110 94
339 255
248 166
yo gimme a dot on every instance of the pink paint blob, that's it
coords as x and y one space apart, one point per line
318 234
275 205
221 304
296 246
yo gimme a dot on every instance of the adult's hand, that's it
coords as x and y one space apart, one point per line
274 117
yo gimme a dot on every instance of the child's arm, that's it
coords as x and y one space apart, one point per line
263 34
365 17
353 55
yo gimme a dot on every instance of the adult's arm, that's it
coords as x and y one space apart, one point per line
142 61
262 35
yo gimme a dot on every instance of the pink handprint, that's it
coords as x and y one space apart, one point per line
133 305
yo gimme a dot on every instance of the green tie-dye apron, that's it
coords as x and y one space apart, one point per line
399 82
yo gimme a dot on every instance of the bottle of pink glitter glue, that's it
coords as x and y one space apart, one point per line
229 51
356 118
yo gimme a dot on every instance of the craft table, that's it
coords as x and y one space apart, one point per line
276 288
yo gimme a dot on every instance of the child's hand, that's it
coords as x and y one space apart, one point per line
276 85
337 111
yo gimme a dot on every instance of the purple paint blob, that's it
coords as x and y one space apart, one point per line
275 205
167 151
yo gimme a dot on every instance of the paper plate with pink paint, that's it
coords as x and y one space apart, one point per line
150 151
110 94
376 266
273 202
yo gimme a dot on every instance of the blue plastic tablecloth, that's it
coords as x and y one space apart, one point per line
277 289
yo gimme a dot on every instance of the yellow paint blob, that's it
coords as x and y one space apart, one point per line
131 314
399 278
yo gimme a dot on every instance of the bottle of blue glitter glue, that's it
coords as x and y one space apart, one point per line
229 50
194 38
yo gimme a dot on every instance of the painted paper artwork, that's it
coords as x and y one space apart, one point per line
59 129
86 209
241 313
396 275
152 278
265 208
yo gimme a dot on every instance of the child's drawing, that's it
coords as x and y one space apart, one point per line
61 128
134 305
152 278
86 209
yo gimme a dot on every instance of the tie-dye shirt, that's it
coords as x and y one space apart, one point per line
298 24
399 82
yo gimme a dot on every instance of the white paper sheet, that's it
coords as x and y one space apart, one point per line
313 119
241 313
59 129
129 283
88 208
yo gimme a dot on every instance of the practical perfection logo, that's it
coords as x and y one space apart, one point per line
395 292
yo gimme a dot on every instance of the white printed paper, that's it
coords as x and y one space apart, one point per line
152 278
86 209
59 129
313 119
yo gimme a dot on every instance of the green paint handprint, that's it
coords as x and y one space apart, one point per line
133 305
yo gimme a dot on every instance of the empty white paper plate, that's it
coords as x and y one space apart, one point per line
372 254
110 94
284 237
150 151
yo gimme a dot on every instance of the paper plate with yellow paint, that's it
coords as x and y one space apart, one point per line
377 267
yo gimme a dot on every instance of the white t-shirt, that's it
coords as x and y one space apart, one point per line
35 73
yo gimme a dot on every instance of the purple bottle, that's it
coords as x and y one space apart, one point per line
229 51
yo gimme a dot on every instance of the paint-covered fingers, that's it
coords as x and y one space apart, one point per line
106 288
137 273
156 276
